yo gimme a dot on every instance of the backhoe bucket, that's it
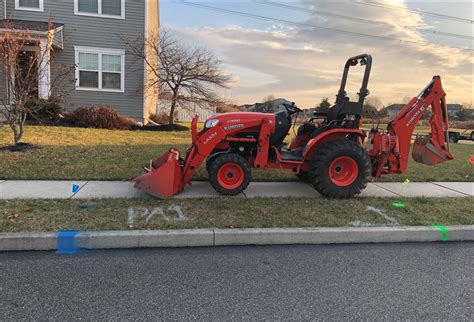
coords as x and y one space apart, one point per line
425 151
163 179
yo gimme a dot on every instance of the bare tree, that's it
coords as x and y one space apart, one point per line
268 103
21 68
185 74
374 101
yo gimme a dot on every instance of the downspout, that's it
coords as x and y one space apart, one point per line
145 78
6 76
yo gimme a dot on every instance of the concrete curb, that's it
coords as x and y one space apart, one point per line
228 237
27 241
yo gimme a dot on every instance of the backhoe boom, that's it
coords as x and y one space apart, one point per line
389 150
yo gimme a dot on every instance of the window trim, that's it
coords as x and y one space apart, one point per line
100 14
40 9
100 52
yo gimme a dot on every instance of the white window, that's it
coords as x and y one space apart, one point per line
99 69
100 8
30 5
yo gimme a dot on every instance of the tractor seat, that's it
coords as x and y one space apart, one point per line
333 115
337 116
292 155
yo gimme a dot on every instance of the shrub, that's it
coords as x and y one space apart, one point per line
101 117
226 108
161 118
44 110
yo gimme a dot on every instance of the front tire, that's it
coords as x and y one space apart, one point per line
229 174
340 169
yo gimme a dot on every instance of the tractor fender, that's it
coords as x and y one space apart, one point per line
330 135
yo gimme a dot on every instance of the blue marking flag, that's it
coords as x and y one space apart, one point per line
75 188
66 242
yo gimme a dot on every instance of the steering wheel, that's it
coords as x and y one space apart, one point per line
292 108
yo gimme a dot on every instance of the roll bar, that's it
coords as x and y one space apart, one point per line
363 59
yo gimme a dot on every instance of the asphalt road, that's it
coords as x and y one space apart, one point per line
392 281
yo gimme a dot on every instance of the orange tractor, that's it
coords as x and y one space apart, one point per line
328 151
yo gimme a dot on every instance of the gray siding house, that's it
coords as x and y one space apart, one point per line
88 34
453 110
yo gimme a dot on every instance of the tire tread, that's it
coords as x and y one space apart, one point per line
220 160
317 169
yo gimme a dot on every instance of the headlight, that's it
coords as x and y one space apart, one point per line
210 123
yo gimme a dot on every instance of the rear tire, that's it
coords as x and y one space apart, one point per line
340 169
303 176
229 174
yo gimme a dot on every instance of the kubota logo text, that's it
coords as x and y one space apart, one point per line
233 127
422 108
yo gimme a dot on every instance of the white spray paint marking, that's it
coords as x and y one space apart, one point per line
147 215
179 211
159 211
359 223
132 216
392 220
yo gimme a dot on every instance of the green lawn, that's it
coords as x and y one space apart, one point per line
112 214
92 154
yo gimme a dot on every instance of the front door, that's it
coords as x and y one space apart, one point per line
27 74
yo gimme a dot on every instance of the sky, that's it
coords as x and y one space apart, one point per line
292 50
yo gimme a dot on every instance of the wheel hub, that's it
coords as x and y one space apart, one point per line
230 176
343 171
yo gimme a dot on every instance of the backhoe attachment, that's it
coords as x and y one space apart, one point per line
425 151
389 150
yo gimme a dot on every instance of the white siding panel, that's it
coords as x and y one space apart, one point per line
186 113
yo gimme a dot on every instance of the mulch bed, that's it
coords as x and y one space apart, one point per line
166 128
163 128
21 147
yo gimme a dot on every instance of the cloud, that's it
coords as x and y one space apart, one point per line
303 64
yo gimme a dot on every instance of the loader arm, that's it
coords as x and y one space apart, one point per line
170 173
389 150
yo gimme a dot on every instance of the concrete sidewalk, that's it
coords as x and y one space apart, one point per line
117 189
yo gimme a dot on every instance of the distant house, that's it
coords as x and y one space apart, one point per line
309 113
267 107
470 113
453 110
186 111
394 109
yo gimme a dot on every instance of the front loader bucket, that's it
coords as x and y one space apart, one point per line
425 151
163 179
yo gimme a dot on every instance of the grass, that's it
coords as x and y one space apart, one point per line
93 154
108 214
